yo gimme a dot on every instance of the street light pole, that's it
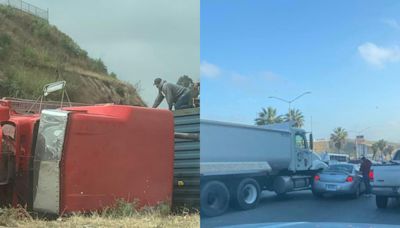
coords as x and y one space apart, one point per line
290 101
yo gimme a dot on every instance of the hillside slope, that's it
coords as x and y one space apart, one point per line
34 53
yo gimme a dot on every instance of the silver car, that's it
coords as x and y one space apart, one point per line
339 179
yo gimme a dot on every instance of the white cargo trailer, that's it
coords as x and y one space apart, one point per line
239 161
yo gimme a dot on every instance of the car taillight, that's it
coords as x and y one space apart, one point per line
371 175
316 178
349 179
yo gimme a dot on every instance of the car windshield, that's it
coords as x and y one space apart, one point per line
340 168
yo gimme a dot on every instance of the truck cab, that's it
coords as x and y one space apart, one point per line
84 158
17 135
302 150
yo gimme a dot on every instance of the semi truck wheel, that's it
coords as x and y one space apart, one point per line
381 201
247 194
214 199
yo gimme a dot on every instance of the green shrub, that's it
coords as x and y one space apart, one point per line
30 56
5 43
97 65
120 91
41 28
113 75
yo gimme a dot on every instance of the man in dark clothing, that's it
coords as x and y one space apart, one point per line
365 168
177 96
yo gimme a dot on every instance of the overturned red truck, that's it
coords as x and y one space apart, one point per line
85 158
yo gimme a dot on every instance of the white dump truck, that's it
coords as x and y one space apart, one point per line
239 161
385 180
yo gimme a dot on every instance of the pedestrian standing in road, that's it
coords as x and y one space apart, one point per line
177 96
365 169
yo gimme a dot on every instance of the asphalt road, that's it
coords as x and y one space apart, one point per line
303 207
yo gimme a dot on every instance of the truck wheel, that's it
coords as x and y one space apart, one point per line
381 201
214 199
247 194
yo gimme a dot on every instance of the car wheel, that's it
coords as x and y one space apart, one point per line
214 199
381 201
247 194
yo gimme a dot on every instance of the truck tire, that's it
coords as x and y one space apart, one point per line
214 199
381 201
247 194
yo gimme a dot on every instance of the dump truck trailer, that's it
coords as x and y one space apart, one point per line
239 161
85 158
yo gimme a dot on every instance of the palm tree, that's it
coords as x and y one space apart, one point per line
388 151
296 116
381 146
267 116
375 149
338 137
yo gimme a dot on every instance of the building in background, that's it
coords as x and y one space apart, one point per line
321 145
361 146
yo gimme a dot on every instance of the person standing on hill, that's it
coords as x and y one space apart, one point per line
176 95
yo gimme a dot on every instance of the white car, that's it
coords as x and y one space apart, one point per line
385 180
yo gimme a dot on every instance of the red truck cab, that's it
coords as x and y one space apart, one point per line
85 158
17 134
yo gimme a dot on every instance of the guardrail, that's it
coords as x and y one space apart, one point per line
23 105
27 8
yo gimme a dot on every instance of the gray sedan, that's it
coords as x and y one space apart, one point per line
339 179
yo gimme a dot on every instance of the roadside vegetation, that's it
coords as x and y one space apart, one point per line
269 116
122 215
338 141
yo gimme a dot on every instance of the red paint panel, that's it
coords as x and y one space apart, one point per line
4 113
19 191
113 152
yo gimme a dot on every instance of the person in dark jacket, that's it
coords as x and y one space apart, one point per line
365 168
178 96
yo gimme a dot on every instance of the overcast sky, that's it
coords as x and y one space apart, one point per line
138 40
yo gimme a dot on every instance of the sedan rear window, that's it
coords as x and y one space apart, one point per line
340 168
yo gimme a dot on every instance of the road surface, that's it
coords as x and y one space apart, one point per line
302 206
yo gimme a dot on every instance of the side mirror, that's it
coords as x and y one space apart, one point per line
311 142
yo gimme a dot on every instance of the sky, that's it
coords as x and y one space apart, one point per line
346 53
138 40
